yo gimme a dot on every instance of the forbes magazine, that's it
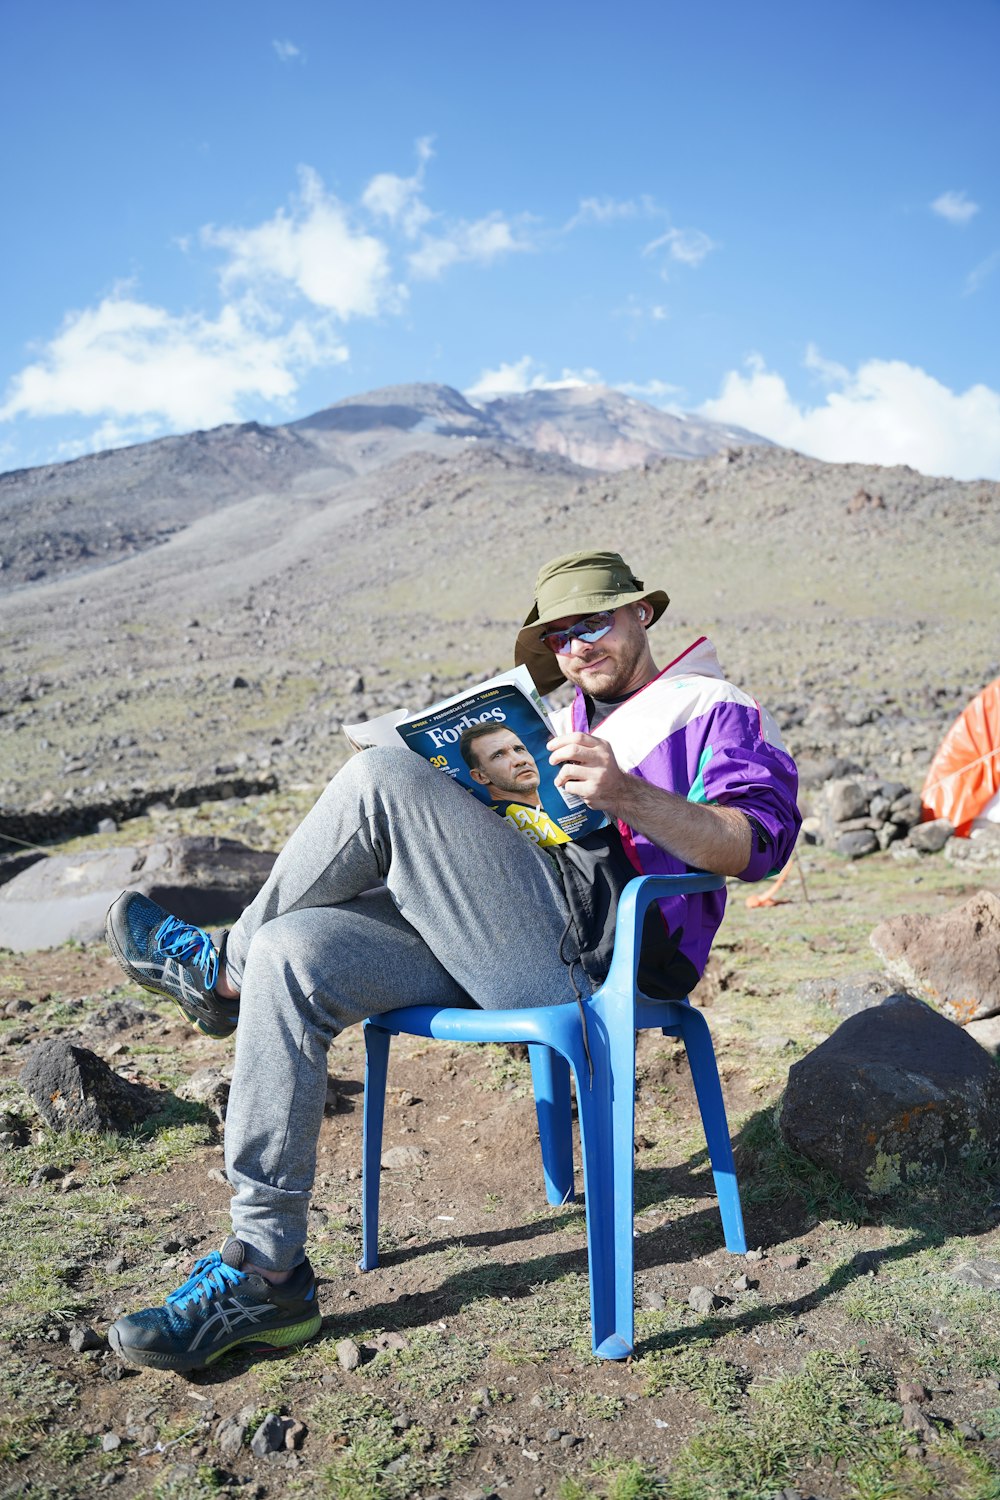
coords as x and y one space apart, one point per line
492 739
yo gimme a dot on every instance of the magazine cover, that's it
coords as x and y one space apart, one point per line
492 740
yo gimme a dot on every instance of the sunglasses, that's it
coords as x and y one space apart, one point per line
590 630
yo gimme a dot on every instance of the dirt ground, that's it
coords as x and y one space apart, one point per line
475 1375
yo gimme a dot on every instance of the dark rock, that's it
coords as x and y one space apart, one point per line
269 1437
231 1432
896 1094
857 844
46 1174
906 809
82 1338
67 896
348 1354
930 838
952 960
845 800
74 1089
702 1299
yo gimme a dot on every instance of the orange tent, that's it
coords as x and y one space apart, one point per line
963 783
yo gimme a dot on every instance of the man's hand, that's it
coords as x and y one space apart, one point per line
703 836
589 769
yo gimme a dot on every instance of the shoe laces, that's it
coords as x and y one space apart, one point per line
211 1274
189 945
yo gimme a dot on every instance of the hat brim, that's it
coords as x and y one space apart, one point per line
529 651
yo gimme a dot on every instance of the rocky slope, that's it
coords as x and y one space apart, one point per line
858 602
61 519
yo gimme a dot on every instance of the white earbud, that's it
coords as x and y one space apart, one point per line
642 615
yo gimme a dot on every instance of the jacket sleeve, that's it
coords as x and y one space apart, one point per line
738 767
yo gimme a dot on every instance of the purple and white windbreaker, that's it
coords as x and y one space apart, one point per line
692 732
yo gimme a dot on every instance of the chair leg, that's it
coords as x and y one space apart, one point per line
376 1069
705 1073
550 1077
607 1133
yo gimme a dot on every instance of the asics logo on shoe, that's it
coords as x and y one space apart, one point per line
230 1316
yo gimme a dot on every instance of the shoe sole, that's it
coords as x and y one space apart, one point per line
275 1339
118 954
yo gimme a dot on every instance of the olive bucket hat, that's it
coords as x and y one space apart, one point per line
581 583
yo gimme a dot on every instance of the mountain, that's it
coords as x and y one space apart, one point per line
600 428
61 519
857 602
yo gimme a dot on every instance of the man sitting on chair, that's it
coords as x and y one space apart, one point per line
691 773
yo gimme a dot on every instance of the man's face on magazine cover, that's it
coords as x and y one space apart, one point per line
503 766
615 665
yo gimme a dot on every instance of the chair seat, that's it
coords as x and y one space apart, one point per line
600 1057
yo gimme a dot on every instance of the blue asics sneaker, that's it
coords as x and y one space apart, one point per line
217 1309
171 958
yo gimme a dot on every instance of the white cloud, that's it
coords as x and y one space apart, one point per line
440 242
286 50
956 207
980 274
885 412
125 360
687 247
480 241
607 211
315 250
399 200
525 374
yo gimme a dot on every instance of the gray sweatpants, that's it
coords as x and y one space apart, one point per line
470 908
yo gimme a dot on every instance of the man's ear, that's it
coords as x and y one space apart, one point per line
479 776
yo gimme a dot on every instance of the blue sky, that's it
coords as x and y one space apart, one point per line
782 215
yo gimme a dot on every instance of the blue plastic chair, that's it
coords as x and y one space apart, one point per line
605 1106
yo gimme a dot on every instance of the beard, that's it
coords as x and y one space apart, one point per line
511 786
611 675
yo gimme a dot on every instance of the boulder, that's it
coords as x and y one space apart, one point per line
930 838
845 800
896 1094
73 1089
199 879
952 960
857 843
